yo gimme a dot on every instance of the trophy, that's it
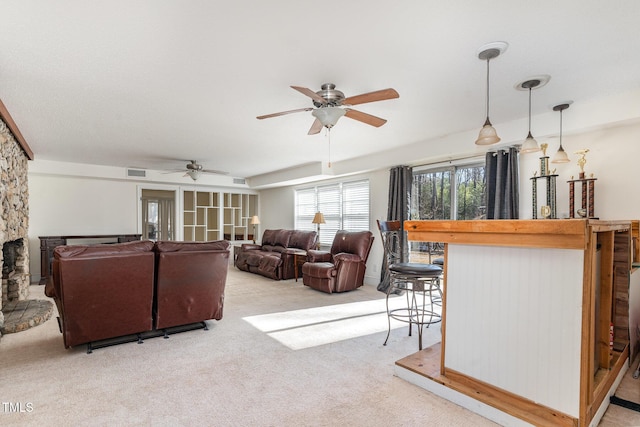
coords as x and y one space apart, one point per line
548 211
588 189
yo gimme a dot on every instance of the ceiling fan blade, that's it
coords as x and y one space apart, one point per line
364 117
378 95
316 127
282 113
311 94
215 172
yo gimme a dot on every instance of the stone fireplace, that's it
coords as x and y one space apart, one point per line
15 271
14 221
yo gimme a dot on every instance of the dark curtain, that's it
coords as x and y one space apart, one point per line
400 180
502 184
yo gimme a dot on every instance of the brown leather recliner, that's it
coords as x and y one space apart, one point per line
102 291
342 268
106 292
274 258
190 282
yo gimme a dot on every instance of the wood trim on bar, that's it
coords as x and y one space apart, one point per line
507 402
563 234
13 127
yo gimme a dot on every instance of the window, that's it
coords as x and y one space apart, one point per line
345 206
452 192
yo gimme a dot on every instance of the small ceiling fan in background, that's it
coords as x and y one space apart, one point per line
195 169
331 104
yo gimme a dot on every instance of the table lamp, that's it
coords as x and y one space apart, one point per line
318 219
254 221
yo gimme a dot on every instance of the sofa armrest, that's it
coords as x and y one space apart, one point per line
318 256
250 247
344 257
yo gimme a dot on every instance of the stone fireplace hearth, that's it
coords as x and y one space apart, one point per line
17 312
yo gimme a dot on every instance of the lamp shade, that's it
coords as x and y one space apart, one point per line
328 116
530 145
560 156
255 220
488 135
318 218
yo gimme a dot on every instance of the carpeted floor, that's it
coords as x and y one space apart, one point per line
279 357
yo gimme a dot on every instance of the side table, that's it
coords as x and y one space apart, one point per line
299 258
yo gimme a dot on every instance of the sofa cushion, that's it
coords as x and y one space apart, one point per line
89 251
269 237
270 262
304 240
253 259
282 238
173 246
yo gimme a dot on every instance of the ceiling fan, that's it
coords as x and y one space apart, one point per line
331 104
195 169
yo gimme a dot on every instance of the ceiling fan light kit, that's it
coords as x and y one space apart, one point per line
488 134
330 104
328 116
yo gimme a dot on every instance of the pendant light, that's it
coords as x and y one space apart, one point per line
561 155
530 144
488 134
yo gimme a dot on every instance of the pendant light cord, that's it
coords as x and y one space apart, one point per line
561 131
487 88
529 111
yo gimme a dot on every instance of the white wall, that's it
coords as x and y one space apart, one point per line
612 158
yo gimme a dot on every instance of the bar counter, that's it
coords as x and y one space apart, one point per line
527 312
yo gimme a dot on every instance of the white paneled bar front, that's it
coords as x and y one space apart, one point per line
527 314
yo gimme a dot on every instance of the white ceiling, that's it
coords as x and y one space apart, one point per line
151 83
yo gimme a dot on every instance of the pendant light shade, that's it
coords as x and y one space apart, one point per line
488 134
561 155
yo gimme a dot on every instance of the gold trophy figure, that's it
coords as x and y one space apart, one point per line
582 160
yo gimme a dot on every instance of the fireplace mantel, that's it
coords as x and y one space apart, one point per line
13 127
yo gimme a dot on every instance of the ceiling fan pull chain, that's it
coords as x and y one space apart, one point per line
329 137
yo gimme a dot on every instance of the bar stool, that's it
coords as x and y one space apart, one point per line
419 282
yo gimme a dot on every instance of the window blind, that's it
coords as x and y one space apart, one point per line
345 206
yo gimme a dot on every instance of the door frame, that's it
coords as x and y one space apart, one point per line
178 234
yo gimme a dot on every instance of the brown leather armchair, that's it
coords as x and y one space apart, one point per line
342 268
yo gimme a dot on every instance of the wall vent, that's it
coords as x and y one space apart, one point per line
239 181
138 173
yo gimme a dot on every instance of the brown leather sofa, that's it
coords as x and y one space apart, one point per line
275 258
190 282
114 290
342 268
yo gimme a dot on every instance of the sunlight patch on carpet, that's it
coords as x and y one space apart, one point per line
310 327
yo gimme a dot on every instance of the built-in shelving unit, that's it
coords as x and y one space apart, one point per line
211 215
238 210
